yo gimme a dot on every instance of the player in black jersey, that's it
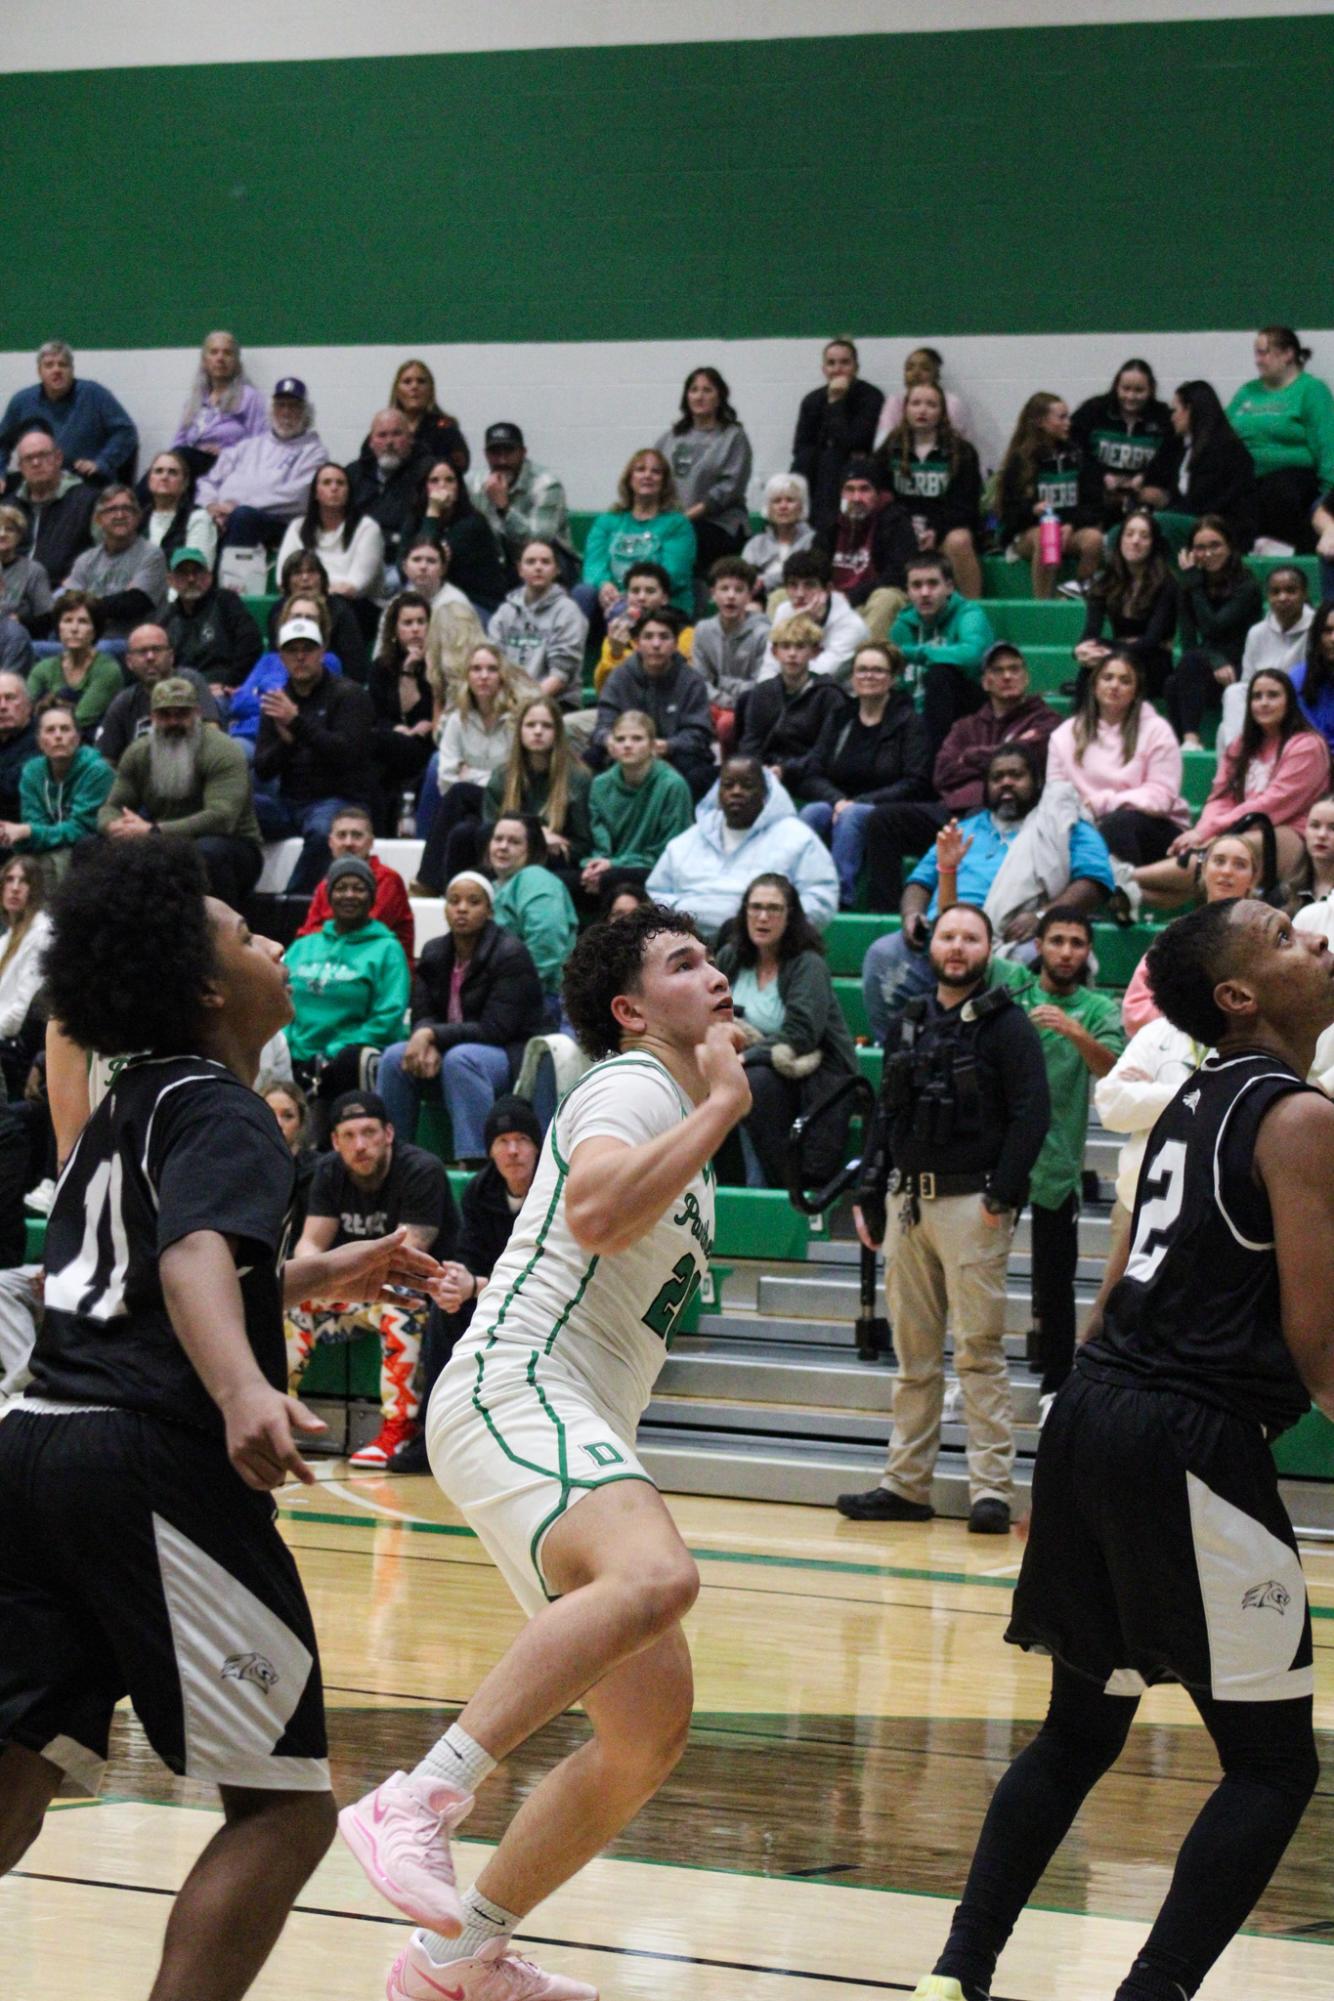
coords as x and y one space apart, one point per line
138 1549
1159 1548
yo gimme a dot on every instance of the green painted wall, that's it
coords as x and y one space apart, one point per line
991 182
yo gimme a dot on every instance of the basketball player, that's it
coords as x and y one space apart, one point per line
1159 1547
531 1433
138 1552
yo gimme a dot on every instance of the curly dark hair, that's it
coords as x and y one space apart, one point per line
131 947
1186 962
607 960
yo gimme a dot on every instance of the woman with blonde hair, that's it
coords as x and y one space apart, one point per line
545 778
223 407
413 392
475 741
646 525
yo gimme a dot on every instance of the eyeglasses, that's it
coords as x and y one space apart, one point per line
35 458
859 669
766 909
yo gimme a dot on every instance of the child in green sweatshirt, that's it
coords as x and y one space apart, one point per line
637 806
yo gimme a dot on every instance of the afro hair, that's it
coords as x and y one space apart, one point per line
607 960
131 948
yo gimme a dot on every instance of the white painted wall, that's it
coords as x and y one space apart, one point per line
89 34
585 407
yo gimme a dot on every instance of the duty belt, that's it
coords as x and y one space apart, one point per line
928 1187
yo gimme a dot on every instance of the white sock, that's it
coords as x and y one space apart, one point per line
482 1921
458 1759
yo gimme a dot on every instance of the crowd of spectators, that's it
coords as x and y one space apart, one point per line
759 725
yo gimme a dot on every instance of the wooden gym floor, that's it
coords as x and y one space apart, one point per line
854 1707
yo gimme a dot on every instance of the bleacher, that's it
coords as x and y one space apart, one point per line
763 1394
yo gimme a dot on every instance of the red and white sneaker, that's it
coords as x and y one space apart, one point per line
400 1835
376 1455
498 1973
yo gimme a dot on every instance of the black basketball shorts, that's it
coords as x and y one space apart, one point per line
134 1561
1159 1549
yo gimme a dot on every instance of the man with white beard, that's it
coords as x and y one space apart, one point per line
187 777
385 477
151 658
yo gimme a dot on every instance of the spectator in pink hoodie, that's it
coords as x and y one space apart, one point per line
1277 769
1124 761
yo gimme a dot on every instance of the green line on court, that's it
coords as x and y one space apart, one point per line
836 1566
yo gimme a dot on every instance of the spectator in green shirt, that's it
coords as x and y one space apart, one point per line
530 901
1081 1035
87 680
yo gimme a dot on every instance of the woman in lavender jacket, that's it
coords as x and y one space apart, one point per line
224 404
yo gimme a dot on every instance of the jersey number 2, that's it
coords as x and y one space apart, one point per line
1157 1215
664 1316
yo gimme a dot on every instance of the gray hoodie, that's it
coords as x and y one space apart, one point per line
546 637
713 467
730 661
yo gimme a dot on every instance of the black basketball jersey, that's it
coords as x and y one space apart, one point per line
178 1145
1198 1308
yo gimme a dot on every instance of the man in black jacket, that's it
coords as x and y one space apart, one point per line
832 424
386 474
313 752
963 1112
869 547
209 627
465 1055
491 1201
58 504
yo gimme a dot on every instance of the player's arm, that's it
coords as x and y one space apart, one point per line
616 1191
1111 1278
66 1089
203 1297
1294 1158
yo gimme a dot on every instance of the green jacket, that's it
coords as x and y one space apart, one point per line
103 683
1060 1164
576 829
62 811
220 803
535 906
812 1017
616 540
960 636
633 824
348 988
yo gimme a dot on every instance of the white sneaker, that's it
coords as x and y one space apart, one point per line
40 1198
1045 1402
951 1409
497 1973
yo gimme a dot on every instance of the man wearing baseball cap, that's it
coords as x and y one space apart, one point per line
190 779
313 751
520 500
372 1183
257 486
209 627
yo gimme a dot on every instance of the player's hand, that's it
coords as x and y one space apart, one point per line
372 1270
718 1059
260 1421
863 1234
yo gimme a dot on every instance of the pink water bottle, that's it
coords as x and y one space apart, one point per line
1049 540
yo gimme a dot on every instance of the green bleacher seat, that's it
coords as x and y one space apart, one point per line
259 609
848 993
850 935
758 1223
1029 622
1199 767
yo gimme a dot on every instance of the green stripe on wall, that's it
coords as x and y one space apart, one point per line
1155 177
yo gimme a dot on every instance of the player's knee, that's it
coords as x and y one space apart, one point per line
664 1591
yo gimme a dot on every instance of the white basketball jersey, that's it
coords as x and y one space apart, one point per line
609 1320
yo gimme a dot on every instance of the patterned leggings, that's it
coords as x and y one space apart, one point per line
400 1330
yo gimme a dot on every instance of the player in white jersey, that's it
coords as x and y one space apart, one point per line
531 1433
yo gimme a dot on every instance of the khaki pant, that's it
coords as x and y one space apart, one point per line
950 1260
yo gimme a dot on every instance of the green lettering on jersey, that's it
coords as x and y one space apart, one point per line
668 1309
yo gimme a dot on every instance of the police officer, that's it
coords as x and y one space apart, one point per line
963 1111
